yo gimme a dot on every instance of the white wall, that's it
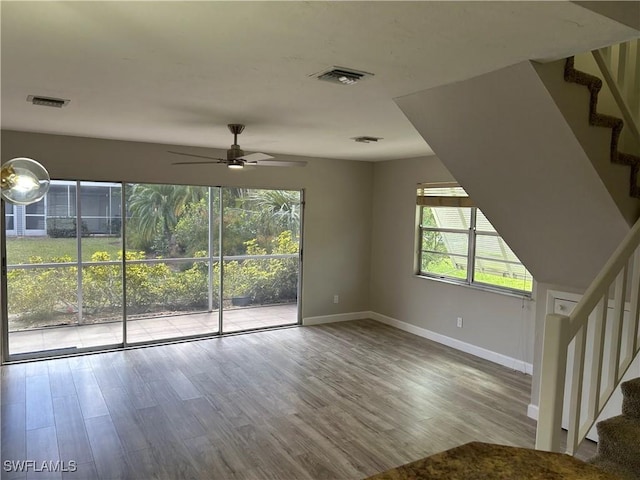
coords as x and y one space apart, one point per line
496 322
336 246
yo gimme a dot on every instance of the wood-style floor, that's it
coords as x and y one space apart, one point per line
339 401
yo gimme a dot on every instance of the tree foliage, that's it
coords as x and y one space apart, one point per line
155 210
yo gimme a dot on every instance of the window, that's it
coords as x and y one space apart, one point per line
458 243
9 215
34 217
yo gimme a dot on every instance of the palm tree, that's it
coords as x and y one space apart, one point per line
156 209
278 209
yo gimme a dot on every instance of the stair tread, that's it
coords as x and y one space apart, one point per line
621 423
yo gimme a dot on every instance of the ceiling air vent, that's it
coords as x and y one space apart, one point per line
366 139
47 101
343 76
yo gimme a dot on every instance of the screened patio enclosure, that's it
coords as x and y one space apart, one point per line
103 265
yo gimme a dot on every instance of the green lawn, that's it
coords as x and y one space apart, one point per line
20 249
444 266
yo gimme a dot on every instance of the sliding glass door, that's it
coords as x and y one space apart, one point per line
64 284
182 272
261 246
171 262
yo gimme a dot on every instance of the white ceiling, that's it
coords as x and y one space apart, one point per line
178 72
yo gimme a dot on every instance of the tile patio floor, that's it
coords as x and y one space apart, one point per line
150 329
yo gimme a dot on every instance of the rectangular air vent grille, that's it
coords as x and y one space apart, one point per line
343 76
366 139
47 101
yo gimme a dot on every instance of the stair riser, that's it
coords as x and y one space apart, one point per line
631 407
631 398
618 444
618 453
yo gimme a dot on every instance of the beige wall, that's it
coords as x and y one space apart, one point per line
499 323
337 215
359 235
505 140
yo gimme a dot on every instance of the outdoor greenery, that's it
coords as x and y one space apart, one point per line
438 257
19 250
257 223
444 266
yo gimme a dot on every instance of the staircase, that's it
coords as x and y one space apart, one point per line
532 148
597 119
619 445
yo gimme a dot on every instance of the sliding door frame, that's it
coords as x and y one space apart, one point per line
6 357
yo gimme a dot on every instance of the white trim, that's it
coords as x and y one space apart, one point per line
340 317
532 411
495 357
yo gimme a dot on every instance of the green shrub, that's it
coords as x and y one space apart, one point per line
65 227
38 293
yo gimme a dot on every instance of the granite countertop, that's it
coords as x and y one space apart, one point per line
484 461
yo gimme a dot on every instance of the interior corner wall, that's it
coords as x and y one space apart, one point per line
499 323
337 215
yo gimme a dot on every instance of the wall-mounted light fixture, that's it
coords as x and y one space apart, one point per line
23 181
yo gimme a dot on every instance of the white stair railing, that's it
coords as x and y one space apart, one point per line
620 67
618 282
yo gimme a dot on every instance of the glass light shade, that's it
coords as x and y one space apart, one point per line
23 181
235 165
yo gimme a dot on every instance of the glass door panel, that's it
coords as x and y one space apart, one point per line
170 264
100 233
42 308
42 278
261 245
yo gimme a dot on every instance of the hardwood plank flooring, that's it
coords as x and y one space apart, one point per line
338 401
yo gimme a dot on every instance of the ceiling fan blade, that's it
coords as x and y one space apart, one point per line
255 157
203 162
279 163
197 156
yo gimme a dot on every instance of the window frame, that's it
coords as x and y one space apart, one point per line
461 202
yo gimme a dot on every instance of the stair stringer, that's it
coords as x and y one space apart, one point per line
597 133
504 139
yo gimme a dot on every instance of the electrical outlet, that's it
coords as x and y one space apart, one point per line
459 323
336 299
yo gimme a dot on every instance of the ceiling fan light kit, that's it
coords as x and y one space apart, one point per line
235 165
236 158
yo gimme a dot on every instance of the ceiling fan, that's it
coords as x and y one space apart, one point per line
236 158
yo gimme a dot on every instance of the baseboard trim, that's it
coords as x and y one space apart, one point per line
339 317
494 357
532 411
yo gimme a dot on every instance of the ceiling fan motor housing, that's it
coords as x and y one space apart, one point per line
234 152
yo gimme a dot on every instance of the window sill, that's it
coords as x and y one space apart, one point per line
476 286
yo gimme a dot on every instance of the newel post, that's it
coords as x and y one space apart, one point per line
552 381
